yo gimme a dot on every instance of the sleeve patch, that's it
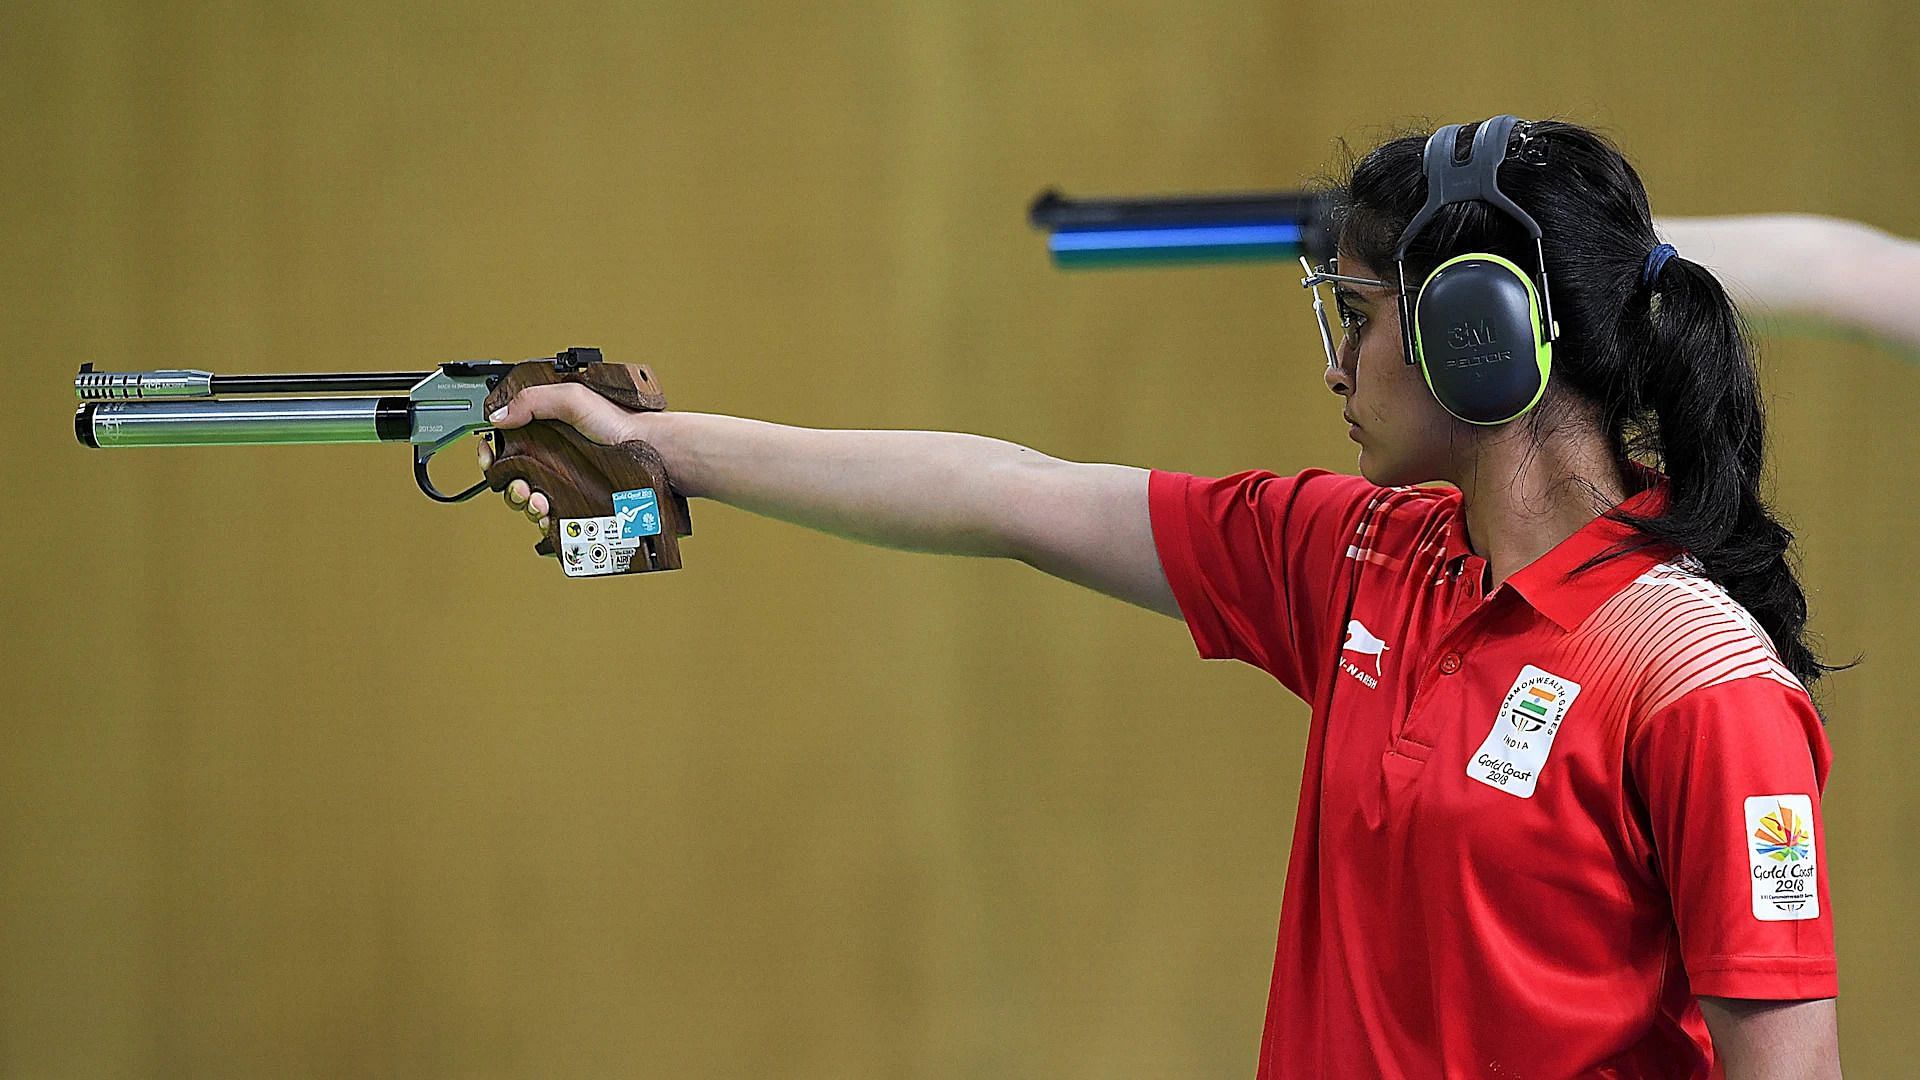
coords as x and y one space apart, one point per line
1780 853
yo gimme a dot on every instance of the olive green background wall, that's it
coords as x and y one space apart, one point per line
302 775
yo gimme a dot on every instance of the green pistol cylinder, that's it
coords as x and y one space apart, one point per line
243 423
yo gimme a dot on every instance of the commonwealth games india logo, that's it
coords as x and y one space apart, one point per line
1530 711
1781 836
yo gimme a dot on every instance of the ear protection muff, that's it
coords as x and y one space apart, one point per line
1478 327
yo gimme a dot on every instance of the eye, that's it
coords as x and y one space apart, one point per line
1350 319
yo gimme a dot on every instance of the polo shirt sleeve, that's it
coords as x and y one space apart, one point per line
1254 560
1731 777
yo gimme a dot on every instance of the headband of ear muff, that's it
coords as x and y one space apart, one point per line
1480 331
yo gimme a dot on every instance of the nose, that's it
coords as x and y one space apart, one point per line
1338 380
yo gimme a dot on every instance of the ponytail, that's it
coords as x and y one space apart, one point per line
1693 403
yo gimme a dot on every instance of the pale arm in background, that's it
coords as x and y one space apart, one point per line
1810 273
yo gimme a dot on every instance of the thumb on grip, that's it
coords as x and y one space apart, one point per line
551 401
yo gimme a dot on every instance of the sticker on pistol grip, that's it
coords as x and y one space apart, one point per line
590 547
638 512
593 546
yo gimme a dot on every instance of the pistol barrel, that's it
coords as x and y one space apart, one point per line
91 385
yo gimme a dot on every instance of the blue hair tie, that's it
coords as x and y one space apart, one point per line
1656 259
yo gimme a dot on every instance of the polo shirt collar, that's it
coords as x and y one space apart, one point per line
1549 584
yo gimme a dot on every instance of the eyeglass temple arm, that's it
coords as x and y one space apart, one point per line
1315 277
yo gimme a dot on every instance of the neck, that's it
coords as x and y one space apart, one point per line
1523 498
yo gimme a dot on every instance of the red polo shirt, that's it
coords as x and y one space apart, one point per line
1534 823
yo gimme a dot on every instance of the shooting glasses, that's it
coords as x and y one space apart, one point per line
1329 273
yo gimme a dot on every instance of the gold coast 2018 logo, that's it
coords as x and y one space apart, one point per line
1783 857
1781 836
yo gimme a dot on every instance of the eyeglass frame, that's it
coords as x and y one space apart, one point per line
1312 282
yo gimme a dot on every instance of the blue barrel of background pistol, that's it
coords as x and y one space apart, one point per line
1161 230
612 512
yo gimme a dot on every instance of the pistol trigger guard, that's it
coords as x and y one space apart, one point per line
424 454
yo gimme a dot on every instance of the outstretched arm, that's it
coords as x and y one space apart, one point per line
1810 272
931 491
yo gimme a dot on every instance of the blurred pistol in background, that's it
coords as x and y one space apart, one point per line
613 510
1160 230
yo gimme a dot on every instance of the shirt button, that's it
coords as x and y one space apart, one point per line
1450 663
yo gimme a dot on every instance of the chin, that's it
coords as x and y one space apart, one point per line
1382 470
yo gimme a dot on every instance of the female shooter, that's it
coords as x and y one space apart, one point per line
1560 814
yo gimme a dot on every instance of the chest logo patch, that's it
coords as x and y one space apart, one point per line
1362 641
1515 750
1780 853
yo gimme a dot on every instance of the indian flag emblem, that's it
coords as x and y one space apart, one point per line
1530 711
1782 835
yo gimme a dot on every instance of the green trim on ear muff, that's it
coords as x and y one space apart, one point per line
1542 342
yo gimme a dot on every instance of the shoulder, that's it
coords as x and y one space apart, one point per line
1261 497
1406 529
1675 632
1386 526
1340 512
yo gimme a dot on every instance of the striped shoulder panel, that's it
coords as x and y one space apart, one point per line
1673 631
1385 513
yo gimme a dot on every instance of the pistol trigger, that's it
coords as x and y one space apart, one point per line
422 455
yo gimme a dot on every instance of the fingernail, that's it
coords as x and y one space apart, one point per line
495 416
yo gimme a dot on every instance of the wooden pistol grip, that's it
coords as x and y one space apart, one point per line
580 477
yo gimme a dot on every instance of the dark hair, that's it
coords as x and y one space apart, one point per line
1668 366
